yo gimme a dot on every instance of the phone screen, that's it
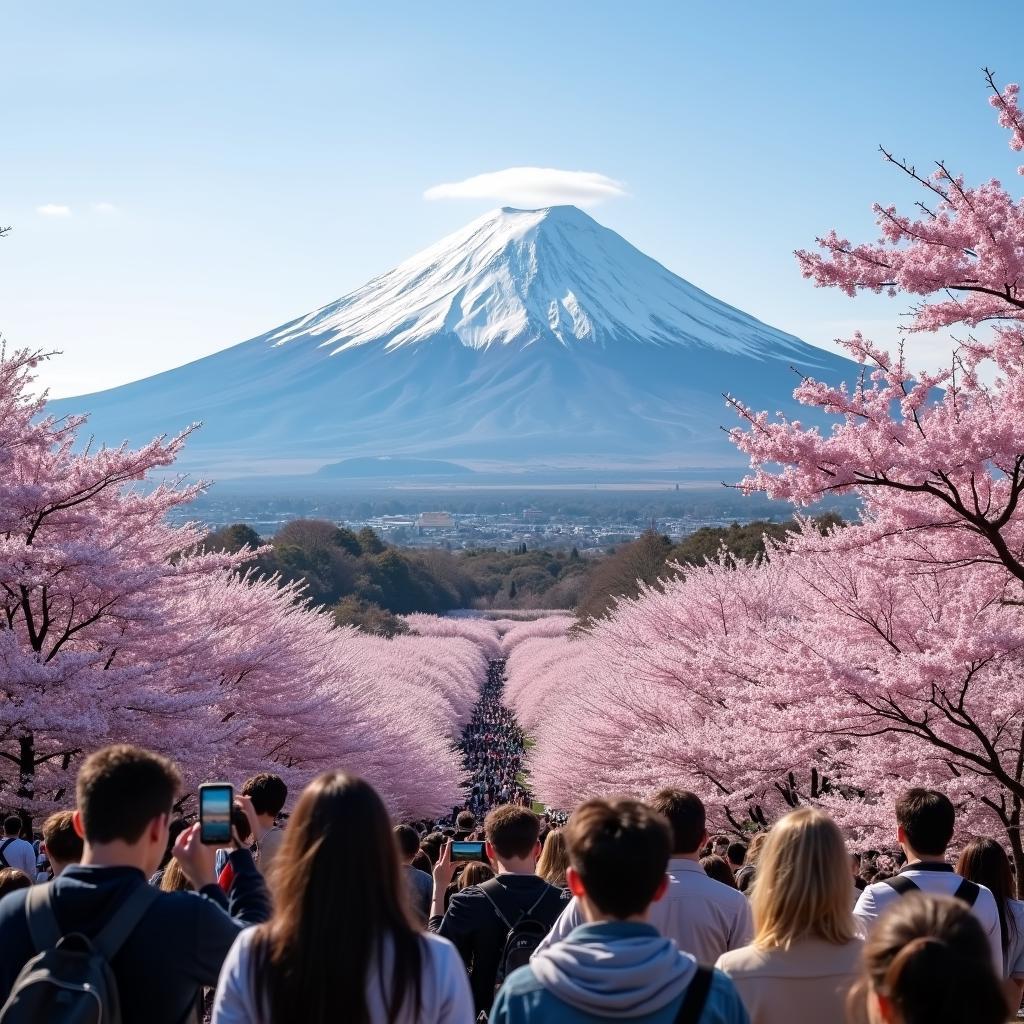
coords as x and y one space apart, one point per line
215 802
468 851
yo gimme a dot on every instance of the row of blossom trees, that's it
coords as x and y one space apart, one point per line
118 626
887 653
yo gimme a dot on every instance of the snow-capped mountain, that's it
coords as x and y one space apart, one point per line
529 337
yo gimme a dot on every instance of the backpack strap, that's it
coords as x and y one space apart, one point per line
902 884
696 996
3 848
496 895
116 931
968 892
43 927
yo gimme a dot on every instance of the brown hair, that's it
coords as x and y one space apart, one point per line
475 873
512 830
685 813
554 859
338 896
929 955
62 842
985 862
267 791
11 879
719 869
121 789
803 885
620 850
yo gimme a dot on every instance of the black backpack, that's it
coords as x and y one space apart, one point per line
966 891
69 980
525 932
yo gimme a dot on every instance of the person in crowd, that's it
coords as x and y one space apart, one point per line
736 855
11 880
431 845
268 794
615 965
420 884
746 874
924 827
855 866
124 799
16 852
984 862
719 869
465 823
806 952
174 829
554 859
62 844
705 917
341 945
928 961
475 873
478 919
242 817
174 879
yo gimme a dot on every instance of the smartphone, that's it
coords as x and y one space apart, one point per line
468 851
215 802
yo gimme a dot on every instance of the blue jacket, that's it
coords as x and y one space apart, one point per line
614 970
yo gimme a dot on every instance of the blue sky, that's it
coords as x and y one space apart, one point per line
229 166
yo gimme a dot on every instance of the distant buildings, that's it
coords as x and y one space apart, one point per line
435 521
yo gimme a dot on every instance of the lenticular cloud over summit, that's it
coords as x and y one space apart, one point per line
533 186
526 340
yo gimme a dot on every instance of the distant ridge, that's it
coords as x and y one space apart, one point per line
385 466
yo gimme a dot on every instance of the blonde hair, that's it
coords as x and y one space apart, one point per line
804 888
554 859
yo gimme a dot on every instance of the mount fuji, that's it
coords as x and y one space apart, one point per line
528 339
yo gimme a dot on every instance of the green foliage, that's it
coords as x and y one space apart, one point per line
369 617
620 573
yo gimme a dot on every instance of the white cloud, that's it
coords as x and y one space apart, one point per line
104 208
533 186
53 210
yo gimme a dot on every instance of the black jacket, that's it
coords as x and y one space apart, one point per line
479 934
178 947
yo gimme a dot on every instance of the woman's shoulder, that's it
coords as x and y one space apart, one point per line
440 951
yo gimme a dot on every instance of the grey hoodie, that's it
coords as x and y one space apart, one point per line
615 969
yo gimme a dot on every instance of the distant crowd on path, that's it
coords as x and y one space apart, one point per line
627 912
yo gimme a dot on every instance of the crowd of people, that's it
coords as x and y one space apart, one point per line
627 911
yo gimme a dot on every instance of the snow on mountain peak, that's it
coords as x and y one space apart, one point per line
519 277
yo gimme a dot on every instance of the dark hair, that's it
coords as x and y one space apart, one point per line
620 850
339 898
11 879
512 830
61 840
12 825
121 789
685 814
736 853
174 829
267 792
240 823
465 821
984 861
475 873
930 956
719 869
927 817
408 840
431 845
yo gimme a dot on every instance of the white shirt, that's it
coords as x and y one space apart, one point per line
935 878
705 917
445 994
21 855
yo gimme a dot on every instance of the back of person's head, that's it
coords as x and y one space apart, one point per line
554 858
927 819
431 845
687 817
985 862
512 831
121 790
338 899
803 883
475 873
619 851
63 844
268 793
757 841
408 840
736 853
465 821
174 879
12 826
928 961
719 869
11 879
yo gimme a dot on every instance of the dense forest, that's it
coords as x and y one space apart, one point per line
369 584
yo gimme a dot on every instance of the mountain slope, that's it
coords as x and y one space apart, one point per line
526 338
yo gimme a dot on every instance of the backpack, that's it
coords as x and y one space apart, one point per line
3 848
966 891
692 1006
525 932
70 980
